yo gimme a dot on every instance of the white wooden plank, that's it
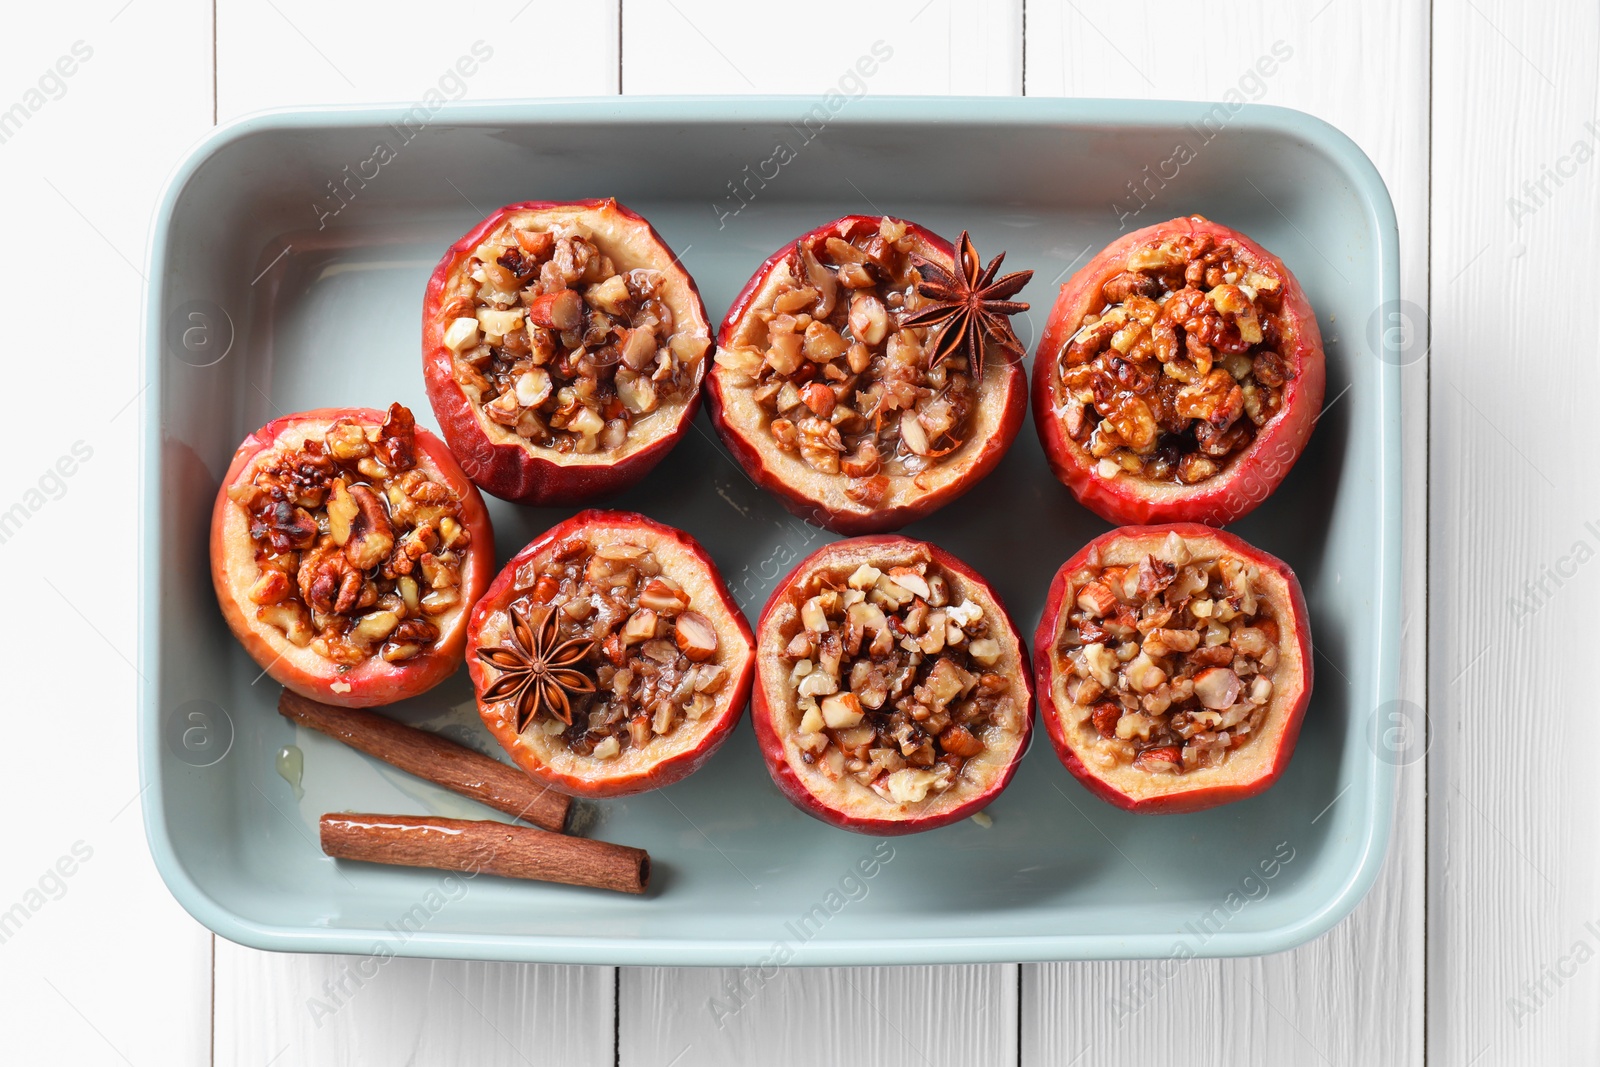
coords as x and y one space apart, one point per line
913 1015
283 53
884 1016
98 964
1354 996
1513 921
957 47
333 1011
291 53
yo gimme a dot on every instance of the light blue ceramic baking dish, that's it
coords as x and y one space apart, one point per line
286 269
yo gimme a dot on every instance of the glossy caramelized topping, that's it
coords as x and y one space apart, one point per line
602 649
1177 364
359 550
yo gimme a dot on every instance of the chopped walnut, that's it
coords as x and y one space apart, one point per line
894 679
1177 364
359 551
1170 660
842 385
657 663
559 344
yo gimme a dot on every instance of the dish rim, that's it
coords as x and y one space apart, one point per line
1377 818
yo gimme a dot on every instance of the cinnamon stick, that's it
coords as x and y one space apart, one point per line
435 758
485 848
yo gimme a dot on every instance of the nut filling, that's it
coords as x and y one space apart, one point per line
895 682
840 382
1171 659
1170 376
648 664
358 550
559 345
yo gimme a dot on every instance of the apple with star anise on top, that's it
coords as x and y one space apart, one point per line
609 657
868 373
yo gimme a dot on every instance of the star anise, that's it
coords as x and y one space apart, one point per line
972 306
537 673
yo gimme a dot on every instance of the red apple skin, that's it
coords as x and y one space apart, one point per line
1251 476
502 592
1014 400
1190 799
375 681
504 468
770 741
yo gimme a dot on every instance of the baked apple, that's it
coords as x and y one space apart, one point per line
608 656
852 379
892 690
1174 667
563 347
347 548
1179 376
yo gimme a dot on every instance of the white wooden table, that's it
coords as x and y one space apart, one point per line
1480 115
